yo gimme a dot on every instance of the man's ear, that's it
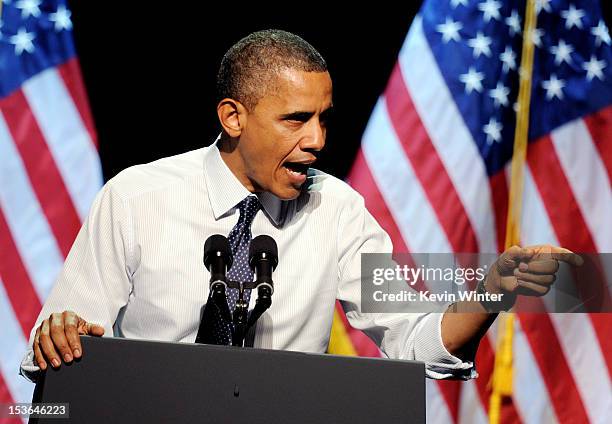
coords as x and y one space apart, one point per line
232 116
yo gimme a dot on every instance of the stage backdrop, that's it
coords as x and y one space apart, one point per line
149 73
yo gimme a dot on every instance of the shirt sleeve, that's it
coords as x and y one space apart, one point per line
95 281
409 335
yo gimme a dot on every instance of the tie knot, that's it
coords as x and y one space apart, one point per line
248 208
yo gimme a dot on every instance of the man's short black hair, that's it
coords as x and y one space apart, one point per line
249 68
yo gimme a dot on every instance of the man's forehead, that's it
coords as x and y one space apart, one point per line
301 90
299 79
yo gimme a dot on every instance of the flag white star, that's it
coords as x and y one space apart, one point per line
450 30
23 41
508 57
536 36
61 18
500 94
543 4
456 3
553 87
601 34
472 80
493 131
480 44
29 8
594 68
562 52
514 22
573 17
490 9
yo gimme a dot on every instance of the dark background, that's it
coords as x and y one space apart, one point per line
149 69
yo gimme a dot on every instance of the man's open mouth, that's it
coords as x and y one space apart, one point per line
296 168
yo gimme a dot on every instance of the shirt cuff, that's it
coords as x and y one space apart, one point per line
28 369
439 363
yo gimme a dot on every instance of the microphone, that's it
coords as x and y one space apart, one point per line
217 259
263 259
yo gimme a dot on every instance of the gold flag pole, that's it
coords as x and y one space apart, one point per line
502 372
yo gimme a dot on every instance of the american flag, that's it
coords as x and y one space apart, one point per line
49 169
434 168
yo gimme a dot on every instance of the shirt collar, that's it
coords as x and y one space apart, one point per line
225 191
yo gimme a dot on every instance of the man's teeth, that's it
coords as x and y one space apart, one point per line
294 171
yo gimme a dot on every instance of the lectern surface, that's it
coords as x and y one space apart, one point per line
123 380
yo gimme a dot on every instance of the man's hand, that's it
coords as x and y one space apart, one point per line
60 332
529 270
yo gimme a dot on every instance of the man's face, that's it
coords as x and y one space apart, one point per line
284 131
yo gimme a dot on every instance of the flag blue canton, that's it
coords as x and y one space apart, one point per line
477 45
34 35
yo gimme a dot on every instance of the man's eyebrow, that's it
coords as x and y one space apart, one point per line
297 116
305 116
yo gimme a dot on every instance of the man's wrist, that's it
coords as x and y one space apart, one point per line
493 298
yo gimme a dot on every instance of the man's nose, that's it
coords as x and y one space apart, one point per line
315 139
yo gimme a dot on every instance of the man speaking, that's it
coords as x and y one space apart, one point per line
135 269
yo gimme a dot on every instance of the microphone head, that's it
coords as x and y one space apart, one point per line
263 247
215 246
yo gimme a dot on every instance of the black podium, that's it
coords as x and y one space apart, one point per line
123 380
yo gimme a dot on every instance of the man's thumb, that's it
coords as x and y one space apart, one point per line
516 253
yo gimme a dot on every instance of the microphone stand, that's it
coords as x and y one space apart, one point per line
240 318
219 297
263 302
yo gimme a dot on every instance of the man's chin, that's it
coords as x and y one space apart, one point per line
287 193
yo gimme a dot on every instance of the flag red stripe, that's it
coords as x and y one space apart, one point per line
451 392
44 176
568 223
17 284
559 201
602 324
5 397
362 180
600 126
428 167
5 394
565 215
363 345
556 374
485 359
71 75
499 197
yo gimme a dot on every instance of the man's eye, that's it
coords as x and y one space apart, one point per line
296 120
298 117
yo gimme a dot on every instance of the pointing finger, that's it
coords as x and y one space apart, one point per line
546 266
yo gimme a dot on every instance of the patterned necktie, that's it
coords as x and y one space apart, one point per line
239 239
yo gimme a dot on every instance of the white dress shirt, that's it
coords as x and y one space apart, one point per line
136 266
